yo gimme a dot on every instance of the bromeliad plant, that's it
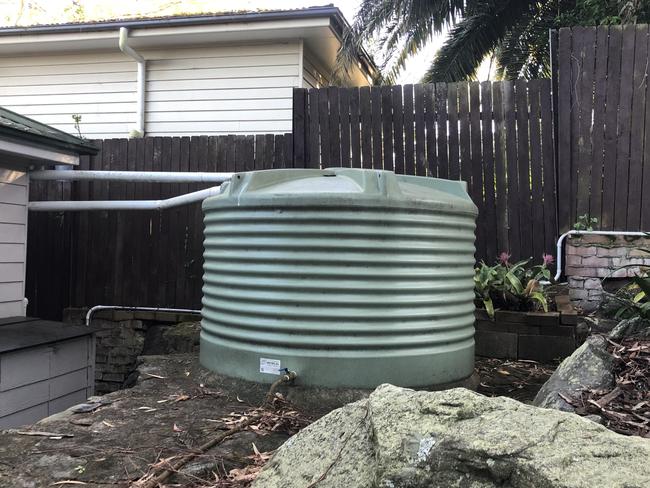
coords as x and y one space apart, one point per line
509 286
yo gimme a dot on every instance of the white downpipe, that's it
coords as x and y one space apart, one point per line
77 206
97 308
131 176
560 241
141 79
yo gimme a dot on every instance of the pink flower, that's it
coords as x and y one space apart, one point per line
548 259
504 258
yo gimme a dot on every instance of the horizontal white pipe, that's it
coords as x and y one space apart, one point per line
97 308
131 176
561 239
77 206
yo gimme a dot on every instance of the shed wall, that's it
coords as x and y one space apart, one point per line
225 89
13 240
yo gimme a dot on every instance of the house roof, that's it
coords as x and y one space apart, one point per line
338 23
20 127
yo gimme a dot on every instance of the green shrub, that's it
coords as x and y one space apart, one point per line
509 286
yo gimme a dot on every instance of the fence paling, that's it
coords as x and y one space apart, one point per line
603 126
142 258
490 134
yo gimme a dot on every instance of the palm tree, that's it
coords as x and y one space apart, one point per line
513 32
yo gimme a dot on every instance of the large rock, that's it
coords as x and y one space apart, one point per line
590 366
401 438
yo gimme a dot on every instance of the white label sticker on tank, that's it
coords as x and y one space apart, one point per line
271 366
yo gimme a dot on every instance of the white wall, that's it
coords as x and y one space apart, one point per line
13 240
199 90
314 74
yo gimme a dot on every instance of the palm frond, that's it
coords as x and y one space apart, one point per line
475 37
402 26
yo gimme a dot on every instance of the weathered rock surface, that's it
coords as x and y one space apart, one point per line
402 438
590 366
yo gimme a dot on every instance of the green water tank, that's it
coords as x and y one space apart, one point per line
350 277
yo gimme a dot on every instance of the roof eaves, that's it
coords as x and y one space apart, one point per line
143 23
23 128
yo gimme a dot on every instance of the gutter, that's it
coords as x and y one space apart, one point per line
305 13
141 80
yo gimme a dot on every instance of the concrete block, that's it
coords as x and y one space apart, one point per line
612 251
584 251
573 260
639 253
619 273
596 262
545 347
581 271
569 318
595 293
122 315
593 284
502 345
543 319
576 283
508 316
577 294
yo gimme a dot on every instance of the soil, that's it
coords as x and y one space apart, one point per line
520 380
174 407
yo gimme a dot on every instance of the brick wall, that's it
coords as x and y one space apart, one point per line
590 258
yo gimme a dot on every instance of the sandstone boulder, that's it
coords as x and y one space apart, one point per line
399 438
590 366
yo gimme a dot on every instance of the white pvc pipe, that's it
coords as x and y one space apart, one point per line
561 239
141 79
130 176
77 206
97 308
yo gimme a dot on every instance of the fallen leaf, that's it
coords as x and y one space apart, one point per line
176 428
181 398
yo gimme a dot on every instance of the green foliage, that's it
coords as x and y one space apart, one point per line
511 286
513 32
77 124
633 300
585 222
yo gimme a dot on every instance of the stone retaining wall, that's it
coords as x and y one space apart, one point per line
122 336
590 258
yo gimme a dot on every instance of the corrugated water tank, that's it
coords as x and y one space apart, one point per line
350 277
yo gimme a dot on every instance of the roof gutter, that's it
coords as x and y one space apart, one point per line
172 22
141 80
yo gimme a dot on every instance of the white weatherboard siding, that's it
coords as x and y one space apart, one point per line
13 241
314 74
244 88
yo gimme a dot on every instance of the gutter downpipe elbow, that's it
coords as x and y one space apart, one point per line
141 79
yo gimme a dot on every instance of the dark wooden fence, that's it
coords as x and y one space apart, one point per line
496 136
603 123
134 258
535 158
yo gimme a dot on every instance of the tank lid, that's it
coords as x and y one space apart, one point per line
341 187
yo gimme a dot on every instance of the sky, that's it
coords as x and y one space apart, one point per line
49 11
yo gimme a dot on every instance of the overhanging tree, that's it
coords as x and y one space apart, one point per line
513 32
